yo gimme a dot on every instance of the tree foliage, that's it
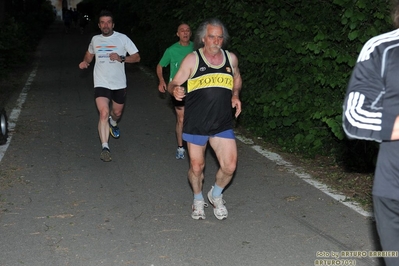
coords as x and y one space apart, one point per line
22 28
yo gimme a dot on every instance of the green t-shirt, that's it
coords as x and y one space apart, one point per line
173 57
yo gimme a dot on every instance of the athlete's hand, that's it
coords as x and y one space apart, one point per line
83 65
179 93
162 86
236 103
114 57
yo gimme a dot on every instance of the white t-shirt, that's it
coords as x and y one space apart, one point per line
110 74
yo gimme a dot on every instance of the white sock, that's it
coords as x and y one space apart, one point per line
105 145
112 121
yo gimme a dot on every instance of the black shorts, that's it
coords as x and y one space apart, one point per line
118 96
177 103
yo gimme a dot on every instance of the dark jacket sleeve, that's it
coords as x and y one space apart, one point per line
364 116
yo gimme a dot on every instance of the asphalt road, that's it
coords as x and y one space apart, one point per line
67 207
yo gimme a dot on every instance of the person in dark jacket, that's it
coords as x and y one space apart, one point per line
371 112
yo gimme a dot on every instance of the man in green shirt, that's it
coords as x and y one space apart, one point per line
173 57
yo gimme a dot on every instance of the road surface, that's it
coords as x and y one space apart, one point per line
65 206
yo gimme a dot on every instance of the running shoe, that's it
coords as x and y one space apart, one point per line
219 210
106 155
180 153
114 130
198 209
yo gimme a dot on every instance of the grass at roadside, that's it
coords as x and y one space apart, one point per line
355 186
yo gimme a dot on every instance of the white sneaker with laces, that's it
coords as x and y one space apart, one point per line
198 209
219 210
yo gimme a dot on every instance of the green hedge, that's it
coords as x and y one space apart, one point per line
22 28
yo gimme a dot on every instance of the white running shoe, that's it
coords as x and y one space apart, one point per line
198 209
219 209
180 153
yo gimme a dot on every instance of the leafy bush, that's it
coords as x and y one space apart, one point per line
23 27
12 43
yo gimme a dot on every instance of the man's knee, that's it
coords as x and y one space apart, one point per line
197 168
117 112
228 166
104 115
179 115
180 120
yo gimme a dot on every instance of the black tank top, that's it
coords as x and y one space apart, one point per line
208 108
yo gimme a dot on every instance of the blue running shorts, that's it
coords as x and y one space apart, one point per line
201 140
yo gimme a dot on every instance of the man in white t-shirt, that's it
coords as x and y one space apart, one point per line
112 50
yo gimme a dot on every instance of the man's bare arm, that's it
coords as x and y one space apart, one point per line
183 73
237 76
162 83
134 58
237 84
86 60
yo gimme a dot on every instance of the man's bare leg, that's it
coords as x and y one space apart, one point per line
226 152
196 178
180 152
103 127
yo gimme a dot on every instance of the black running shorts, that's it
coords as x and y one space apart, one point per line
176 102
118 96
